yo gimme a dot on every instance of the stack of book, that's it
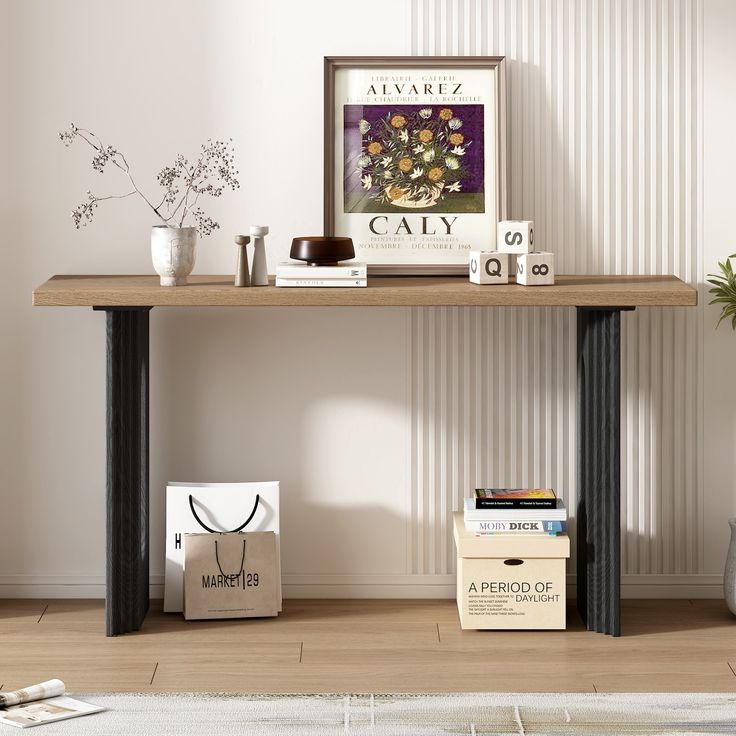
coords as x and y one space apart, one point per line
302 274
515 511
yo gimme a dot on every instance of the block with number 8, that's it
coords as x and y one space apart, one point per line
515 236
535 269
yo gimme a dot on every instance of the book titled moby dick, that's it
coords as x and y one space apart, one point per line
514 498
515 527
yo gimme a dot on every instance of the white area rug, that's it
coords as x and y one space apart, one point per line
423 715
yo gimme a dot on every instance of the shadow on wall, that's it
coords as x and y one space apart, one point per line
314 401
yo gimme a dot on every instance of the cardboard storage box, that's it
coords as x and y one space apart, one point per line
510 581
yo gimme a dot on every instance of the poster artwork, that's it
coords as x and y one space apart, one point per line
414 177
413 158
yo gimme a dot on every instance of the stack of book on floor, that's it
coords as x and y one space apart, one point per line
515 511
350 274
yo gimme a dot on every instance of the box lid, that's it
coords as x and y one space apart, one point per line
523 546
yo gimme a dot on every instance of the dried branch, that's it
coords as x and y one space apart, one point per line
213 171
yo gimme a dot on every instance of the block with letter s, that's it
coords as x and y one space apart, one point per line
489 267
515 236
535 269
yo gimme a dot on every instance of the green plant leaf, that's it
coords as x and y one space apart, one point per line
723 291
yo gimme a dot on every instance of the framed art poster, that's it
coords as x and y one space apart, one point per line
415 159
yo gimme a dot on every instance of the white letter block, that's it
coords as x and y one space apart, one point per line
515 236
535 269
489 267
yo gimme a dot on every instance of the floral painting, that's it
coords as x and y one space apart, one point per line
427 158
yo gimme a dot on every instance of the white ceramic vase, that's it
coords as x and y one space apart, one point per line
729 575
259 274
173 250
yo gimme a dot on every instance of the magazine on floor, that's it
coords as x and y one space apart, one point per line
40 704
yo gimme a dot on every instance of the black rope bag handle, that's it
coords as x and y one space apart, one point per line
231 575
217 531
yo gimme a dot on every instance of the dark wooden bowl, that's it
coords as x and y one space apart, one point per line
319 250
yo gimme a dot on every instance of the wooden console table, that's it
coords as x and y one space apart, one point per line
599 300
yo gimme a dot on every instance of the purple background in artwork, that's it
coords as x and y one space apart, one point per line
472 129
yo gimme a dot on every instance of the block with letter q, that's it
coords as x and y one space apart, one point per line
489 267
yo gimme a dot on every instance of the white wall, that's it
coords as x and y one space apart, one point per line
606 127
719 349
283 393
315 398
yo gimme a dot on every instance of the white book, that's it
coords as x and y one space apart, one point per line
506 514
357 270
39 704
322 283
518 526
39 712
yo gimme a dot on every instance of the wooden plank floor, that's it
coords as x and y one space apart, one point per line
367 646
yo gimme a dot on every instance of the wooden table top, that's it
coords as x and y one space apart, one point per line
384 291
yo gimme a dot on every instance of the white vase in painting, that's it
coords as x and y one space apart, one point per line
173 250
400 197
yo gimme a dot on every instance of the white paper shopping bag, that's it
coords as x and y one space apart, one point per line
214 508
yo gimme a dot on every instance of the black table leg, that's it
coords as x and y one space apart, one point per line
599 469
127 469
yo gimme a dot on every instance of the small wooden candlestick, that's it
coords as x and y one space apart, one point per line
242 272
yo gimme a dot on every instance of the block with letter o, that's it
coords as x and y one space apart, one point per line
489 267
535 269
515 236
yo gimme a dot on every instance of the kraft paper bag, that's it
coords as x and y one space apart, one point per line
231 575
216 508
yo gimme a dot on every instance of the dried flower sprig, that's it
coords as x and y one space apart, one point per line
183 182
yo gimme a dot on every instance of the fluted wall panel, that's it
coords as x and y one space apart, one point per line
604 119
